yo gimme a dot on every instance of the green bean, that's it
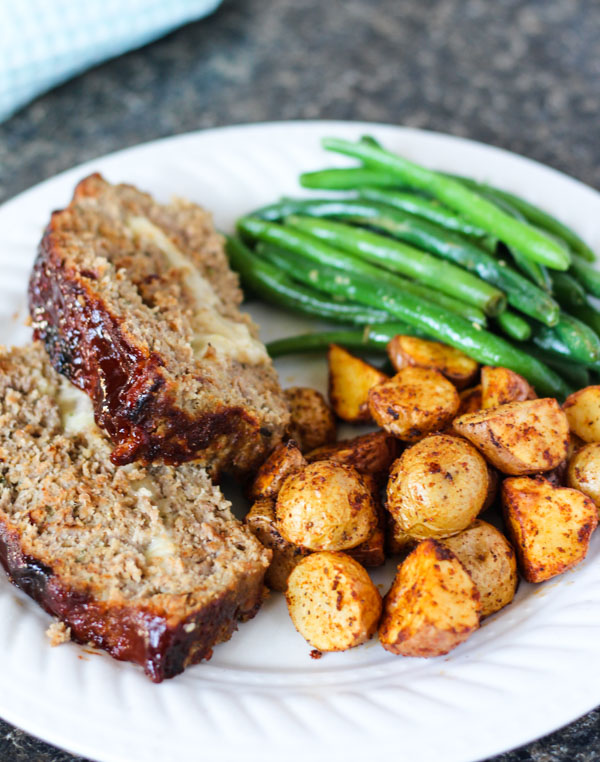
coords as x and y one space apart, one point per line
437 323
342 179
520 293
481 212
407 260
575 375
317 342
278 289
586 274
589 314
538 217
568 291
514 326
570 339
304 270
422 207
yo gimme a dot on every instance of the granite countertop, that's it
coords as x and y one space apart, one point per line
520 74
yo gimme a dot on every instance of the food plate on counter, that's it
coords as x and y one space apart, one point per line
528 670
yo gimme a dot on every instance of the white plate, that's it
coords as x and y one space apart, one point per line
528 670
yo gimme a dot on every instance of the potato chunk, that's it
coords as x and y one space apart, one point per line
584 471
550 526
437 487
470 400
350 379
312 420
432 606
371 453
456 366
286 459
501 385
415 402
520 437
286 556
583 411
490 560
332 601
326 506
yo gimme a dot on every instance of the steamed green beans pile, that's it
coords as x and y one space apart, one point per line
405 249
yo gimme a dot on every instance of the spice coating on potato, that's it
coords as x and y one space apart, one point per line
332 601
286 459
490 560
312 422
550 526
584 471
415 402
437 487
350 379
470 400
520 437
432 606
499 386
371 453
583 412
456 366
326 506
262 523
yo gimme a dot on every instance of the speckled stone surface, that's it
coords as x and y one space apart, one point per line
521 74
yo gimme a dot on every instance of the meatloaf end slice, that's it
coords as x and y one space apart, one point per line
137 306
147 563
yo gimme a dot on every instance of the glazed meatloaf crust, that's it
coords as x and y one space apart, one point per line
147 563
137 306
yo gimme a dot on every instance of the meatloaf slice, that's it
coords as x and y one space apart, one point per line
148 562
137 306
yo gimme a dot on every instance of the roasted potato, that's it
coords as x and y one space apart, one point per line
371 552
584 471
501 385
432 606
262 523
415 402
470 400
520 437
456 366
550 526
583 412
285 460
397 542
312 420
332 601
350 379
493 486
369 453
490 560
326 506
437 487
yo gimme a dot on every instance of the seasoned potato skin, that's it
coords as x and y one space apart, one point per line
286 459
583 472
415 402
437 487
520 437
490 560
332 601
371 454
456 366
470 400
432 606
550 527
326 506
583 412
500 386
350 379
261 522
312 421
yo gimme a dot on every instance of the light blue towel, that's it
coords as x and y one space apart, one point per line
45 42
